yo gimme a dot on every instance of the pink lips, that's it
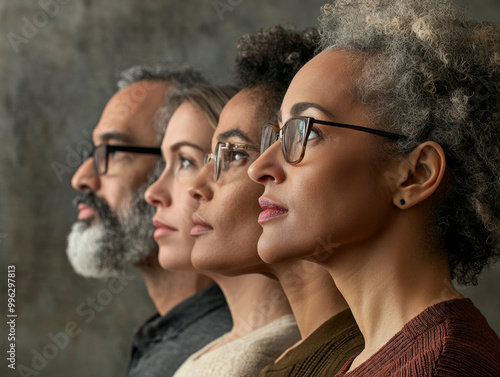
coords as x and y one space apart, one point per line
200 226
271 210
85 212
162 230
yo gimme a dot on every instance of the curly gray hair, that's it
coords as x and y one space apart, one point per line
430 73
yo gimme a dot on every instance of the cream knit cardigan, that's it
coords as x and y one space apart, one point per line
246 356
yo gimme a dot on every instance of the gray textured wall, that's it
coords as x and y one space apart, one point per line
56 77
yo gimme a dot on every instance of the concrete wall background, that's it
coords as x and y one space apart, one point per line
54 84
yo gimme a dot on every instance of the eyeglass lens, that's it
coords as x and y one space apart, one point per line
99 154
228 153
293 139
225 154
268 138
294 134
100 159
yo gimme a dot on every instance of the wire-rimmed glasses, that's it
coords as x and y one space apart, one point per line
225 153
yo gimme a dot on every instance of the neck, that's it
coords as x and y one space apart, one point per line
254 301
167 289
312 293
388 281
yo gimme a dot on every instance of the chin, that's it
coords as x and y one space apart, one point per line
229 270
202 263
170 260
226 265
212 263
269 252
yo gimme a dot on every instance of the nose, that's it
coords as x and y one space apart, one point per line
86 178
202 189
269 167
158 194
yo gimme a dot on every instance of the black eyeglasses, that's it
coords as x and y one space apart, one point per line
101 154
225 153
295 133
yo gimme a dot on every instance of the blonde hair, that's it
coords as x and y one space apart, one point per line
210 99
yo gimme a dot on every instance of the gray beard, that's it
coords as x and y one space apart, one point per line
119 240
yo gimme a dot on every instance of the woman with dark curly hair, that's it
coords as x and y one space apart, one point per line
389 151
256 336
227 230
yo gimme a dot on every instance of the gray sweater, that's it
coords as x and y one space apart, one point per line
162 344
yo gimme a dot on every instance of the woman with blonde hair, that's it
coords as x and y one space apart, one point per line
263 326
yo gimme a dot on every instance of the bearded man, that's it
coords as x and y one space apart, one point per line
115 231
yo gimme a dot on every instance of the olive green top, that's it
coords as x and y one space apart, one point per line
323 353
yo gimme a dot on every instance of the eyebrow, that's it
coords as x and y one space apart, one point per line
234 133
181 144
118 136
300 107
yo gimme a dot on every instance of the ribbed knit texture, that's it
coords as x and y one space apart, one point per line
323 353
451 338
246 356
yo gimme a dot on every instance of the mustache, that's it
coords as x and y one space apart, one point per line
92 200
136 203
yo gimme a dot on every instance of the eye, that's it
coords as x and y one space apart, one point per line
234 158
186 163
237 156
314 133
116 155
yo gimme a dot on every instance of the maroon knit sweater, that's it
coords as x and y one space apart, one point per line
451 338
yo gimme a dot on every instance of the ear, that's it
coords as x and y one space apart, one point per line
420 174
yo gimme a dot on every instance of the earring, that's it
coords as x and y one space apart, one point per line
402 202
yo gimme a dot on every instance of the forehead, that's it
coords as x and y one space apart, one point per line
130 113
188 124
240 113
325 80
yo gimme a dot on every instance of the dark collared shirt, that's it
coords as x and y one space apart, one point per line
162 344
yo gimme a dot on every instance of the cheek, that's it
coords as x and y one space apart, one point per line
232 247
117 194
240 212
351 201
185 205
331 203
249 197
139 172
120 188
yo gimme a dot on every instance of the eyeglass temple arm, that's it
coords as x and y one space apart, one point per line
374 131
234 146
143 150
